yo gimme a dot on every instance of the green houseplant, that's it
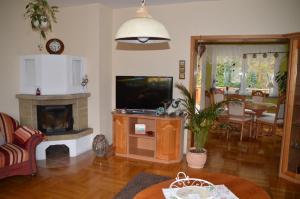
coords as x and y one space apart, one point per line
281 79
41 16
199 123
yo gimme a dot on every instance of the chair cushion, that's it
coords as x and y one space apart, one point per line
7 125
239 119
267 118
11 154
268 114
23 134
250 112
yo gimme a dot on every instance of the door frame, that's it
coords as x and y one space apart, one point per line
239 39
284 172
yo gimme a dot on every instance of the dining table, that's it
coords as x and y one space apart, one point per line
258 108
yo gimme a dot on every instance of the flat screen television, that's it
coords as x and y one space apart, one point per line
143 92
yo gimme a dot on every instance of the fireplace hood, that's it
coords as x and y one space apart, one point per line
52 74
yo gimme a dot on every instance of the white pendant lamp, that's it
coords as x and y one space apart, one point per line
142 29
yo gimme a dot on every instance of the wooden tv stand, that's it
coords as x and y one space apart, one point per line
164 145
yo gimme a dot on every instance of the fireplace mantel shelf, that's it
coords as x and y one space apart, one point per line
53 97
78 135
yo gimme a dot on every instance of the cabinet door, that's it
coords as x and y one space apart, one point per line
290 158
168 139
76 74
29 74
120 128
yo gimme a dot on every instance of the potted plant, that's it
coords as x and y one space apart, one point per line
281 79
41 15
198 122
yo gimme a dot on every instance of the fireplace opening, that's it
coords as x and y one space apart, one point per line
55 120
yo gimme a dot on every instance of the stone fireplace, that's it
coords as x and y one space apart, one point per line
62 118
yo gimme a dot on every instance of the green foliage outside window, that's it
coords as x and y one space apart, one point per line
252 80
226 74
259 75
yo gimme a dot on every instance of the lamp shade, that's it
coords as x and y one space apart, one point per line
142 29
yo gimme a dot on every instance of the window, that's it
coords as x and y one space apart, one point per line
260 74
228 73
244 68
256 74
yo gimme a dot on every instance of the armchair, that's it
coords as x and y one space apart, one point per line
17 148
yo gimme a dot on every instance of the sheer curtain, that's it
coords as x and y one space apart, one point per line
216 53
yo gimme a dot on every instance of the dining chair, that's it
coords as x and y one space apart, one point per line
208 99
236 113
217 95
257 96
216 128
236 97
272 120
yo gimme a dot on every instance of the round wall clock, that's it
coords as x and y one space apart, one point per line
55 46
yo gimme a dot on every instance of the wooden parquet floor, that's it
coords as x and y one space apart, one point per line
89 177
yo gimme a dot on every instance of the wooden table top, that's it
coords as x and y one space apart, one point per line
242 188
259 107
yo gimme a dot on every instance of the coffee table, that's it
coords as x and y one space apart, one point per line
242 188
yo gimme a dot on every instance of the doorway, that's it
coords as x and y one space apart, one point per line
199 84
201 76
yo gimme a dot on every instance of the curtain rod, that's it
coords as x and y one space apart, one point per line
276 54
265 52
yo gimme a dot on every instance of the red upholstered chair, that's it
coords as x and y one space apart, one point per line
17 148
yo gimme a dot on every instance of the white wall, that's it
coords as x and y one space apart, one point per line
224 17
16 39
105 86
85 31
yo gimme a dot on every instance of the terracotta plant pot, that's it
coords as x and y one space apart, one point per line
196 160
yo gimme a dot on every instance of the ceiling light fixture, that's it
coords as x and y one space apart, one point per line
142 29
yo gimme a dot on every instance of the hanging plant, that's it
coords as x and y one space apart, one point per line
41 16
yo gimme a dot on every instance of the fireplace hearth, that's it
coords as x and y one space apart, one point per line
55 119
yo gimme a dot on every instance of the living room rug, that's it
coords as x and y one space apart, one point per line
138 183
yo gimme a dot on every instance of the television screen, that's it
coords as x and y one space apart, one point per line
143 92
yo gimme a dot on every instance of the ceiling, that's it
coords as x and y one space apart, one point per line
119 3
